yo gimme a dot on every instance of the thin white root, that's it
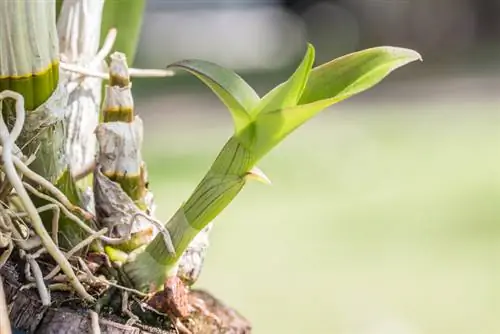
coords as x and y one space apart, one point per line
106 48
133 72
86 170
87 241
38 276
83 71
5 238
4 314
27 265
181 327
6 254
90 69
124 288
73 217
33 273
8 140
161 228
150 73
94 320
85 268
55 219
24 242
45 184
126 310
38 253
93 278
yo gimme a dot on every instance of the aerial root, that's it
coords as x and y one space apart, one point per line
161 228
94 320
92 68
75 249
73 217
132 318
5 241
36 274
10 162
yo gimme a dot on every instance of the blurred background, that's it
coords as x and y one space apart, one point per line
384 213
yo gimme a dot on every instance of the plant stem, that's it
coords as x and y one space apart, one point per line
218 188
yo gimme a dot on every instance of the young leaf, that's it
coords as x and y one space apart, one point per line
288 93
328 84
354 73
260 132
231 89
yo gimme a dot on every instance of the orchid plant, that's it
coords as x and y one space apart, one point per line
52 122
260 124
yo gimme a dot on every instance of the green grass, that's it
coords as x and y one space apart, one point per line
376 222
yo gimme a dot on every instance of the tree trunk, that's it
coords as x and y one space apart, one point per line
67 315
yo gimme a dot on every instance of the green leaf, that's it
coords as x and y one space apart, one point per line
58 7
231 89
328 84
126 16
354 73
288 93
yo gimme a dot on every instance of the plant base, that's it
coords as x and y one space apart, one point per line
68 315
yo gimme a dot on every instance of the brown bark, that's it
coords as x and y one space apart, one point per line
66 315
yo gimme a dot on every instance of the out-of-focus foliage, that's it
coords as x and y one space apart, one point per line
126 16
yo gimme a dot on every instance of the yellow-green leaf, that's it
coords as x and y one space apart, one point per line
288 93
231 89
328 84
354 73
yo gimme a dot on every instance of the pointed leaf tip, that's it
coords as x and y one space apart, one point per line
396 51
328 84
231 89
353 73
288 93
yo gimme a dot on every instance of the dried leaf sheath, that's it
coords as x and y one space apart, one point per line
120 136
79 28
120 176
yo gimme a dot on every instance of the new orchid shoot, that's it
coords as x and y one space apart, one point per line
260 125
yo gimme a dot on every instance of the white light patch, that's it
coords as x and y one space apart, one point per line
258 38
